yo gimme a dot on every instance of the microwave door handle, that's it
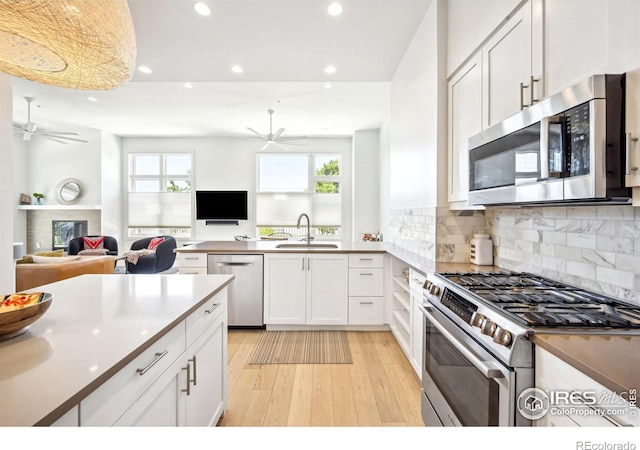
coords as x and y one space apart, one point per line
544 148
628 140
487 368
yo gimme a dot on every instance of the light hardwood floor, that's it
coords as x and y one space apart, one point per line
380 388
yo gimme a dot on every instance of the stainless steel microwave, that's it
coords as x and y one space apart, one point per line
568 148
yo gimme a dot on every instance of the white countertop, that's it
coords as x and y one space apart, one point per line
95 325
270 246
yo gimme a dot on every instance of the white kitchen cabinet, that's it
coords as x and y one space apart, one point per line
181 380
416 282
508 82
400 321
555 375
69 419
192 263
306 289
465 120
366 289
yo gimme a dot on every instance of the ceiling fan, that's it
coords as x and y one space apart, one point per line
276 138
31 129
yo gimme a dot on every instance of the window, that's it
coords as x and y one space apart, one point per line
292 184
160 194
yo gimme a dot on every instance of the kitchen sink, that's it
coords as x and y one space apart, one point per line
305 245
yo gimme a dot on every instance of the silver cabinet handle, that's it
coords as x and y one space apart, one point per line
303 263
213 307
188 369
366 274
532 99
195 381
628 140
366 303
522 88
191 258
366 259
158 357
308 263
223 264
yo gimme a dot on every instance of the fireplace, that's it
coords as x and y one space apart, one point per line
65 230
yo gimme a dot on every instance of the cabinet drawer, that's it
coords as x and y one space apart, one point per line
205 315
366 282
193 270
366 310
192 260
107 403
366 259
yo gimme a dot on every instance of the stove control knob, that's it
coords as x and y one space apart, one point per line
488 327
502 337
427 285
434 290
477 319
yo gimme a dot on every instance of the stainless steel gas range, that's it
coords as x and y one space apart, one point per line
477 356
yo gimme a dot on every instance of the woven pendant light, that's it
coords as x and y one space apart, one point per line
78 44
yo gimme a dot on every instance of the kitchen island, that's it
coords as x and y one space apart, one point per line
99 327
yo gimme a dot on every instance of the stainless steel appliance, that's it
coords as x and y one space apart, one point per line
568 148
477 356
245 303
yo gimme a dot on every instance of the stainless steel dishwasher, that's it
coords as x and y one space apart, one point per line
245 292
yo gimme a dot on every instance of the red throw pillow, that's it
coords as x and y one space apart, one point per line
155 242
93 243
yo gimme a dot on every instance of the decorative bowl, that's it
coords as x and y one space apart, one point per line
14 323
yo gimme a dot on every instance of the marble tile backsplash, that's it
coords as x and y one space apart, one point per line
595 247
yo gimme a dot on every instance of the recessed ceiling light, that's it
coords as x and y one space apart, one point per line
202 8
144 69
237 69
334 9
330 69
92 99
188 85
328 85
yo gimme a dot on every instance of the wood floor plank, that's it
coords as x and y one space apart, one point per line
300 410
280 400
405 389
366 409
344 408
256 410
239 398
322 396
266 376
381 385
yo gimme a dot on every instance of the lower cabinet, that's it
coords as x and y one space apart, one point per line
181 380
306 289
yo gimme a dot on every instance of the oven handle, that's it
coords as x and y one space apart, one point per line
483 366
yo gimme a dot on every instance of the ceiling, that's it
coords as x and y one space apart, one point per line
283 47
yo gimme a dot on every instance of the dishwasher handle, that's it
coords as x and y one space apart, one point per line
227 264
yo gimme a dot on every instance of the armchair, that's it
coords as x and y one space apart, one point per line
161 260
76 245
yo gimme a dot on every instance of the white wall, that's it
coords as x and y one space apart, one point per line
20 186
50 162
7 199
366 194
415 126
230 163
111 185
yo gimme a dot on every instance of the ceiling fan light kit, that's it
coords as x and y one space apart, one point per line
276 138
78 44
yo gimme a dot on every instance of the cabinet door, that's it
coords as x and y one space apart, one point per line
206 401
285 288
163 404
327 289
506 62
465 120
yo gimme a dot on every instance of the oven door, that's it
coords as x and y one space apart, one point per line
462 383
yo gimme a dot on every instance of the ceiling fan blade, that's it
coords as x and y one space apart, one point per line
54 139
291 143
281 146
254 131
69 133
278 133
291 138
267 145
52 136
27 136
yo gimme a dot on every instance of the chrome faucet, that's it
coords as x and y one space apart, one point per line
308 226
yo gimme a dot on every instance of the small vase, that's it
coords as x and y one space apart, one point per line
38 201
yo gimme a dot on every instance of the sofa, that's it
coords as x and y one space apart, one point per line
30 275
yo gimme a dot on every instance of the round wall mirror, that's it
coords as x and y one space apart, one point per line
68 191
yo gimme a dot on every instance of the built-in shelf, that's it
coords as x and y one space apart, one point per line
58 207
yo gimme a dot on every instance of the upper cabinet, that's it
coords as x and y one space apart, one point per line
502 77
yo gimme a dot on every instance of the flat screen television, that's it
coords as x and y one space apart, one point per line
221 205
